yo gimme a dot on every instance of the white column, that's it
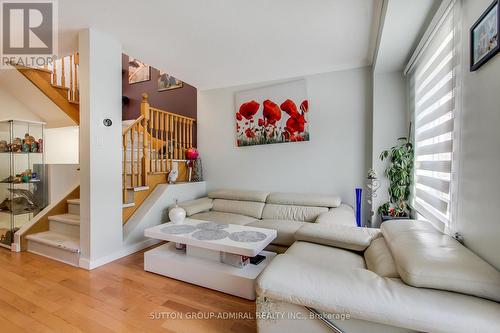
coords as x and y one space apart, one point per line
101 230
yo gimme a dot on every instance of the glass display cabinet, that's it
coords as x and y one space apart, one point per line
23 187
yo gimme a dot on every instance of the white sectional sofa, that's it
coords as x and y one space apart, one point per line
405 277
284 212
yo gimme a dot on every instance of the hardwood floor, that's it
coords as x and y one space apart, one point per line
41 295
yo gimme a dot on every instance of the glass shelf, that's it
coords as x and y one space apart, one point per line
25 198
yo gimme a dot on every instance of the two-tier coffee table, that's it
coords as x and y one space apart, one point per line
214 255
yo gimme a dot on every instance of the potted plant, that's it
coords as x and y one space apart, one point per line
399 173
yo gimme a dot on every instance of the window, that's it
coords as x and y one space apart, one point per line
432 82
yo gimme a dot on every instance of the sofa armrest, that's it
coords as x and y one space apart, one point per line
342 215
346 237
196 206
366 296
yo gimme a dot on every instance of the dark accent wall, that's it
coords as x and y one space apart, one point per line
180 101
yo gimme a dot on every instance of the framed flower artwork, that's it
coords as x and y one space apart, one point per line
273 114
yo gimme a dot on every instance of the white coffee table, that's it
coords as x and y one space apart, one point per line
206 243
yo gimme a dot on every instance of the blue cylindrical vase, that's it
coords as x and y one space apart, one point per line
359 192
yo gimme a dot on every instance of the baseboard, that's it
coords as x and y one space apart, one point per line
128 250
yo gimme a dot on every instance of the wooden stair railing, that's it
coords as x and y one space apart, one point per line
52 80
151 144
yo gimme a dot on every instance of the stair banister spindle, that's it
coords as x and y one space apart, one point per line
132 164
71 87
190 134
157 132
162 130
145 111
140 167
54 72
76 94
184 139
176 133
125 199
63 75
167 143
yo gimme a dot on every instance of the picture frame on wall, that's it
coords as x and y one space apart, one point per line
272 114
138 71
168 82
484 43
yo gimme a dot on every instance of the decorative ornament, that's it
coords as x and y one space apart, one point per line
177 215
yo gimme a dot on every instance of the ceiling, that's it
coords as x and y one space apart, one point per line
404 22
219 43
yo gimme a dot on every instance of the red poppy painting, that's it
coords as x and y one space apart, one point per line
275 114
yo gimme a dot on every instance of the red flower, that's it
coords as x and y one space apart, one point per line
304 106
192 153
289 107
238 116
392 212
261 122
249 133
296 137
271 112
249 109
295 124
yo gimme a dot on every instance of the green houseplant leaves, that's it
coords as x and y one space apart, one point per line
399 173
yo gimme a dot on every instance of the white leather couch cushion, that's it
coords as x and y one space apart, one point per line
342 215
367 296
325 256
425 257
295 213
247 208
196 206
221 217
301 199
286 229
346 237
379 259
258 196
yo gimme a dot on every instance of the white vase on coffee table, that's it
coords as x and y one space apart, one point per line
177 215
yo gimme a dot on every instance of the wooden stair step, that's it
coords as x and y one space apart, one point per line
66 218
138 188
73 201
53 239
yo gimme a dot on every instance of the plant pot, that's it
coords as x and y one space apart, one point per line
388 217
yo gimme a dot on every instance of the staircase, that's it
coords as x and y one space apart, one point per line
152 144
59 82
62 241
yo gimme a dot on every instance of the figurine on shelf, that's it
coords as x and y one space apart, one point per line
17 145
34 147
28 139
4 147
26 176
29 144
172 176
40 145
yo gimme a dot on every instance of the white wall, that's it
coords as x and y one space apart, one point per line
101 228
62 179
479 189
61 145
154 210
335 161
390 122
12 108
